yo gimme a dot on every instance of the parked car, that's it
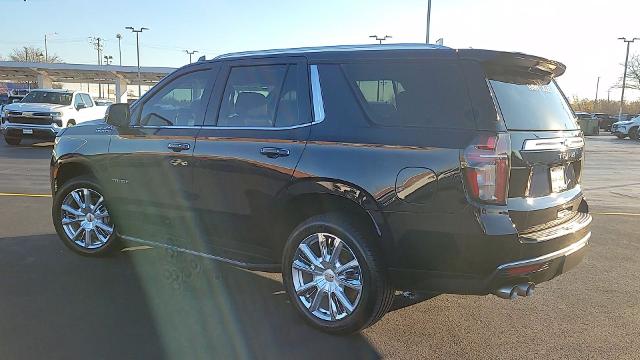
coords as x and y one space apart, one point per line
625 128
102 102
353 170
43 112
584 115
605 120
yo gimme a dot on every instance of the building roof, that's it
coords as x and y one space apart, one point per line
80 73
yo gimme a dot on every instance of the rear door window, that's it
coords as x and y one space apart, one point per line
262 96
412 94
532 103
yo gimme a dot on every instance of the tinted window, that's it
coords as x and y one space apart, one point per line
45 97
428 94
287 113
179 103
532 103
78 101
87 100
255 94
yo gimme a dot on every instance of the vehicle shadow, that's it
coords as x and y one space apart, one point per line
148 303
28 149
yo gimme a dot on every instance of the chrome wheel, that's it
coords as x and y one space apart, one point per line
326 277
85 219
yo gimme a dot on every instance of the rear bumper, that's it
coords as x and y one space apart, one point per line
37 131
565 244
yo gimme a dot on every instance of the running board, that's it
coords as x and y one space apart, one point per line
240 264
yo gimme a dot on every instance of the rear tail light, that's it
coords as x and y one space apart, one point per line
485 165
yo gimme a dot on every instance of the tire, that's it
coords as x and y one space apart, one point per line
621 136
376 293
100 241
13 141
633 133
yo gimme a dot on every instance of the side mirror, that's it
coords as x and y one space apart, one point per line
80 106
118 115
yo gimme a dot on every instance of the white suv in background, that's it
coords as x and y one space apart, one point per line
43 112
629 128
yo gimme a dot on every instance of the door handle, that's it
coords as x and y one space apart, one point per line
177 147
273 153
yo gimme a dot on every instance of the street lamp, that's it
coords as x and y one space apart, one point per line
119 37
428 19
380 39
624 77
108 59
46 53
190 53
138 53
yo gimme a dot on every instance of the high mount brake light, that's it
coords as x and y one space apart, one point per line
486 168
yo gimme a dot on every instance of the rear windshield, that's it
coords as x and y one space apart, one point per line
532 104
45 97
412 94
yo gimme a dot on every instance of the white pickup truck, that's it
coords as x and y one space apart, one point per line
44 112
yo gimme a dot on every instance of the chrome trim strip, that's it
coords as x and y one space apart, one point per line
208 127
208 256
560 144
316 92
54 130
547 257
579 222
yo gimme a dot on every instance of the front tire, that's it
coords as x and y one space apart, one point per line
13 141
334 276
81 217
633 133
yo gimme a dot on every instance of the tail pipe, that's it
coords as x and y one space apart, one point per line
513 291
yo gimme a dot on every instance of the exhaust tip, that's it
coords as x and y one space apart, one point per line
525 289
506 292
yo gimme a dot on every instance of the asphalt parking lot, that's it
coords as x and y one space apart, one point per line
153 304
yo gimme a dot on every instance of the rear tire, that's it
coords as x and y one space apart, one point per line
80 208
13 141
351 299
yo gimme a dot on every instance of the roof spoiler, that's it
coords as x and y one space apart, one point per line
533 64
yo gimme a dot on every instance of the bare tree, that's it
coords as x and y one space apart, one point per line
633 73
32 54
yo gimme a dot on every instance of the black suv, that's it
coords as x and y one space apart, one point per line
353 170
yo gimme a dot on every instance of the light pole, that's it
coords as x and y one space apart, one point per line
98 45
138 53
595 104
380 39
190 53
108 59
119 37
46 52
428 18
624 76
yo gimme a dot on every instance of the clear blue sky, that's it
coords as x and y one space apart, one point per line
582 34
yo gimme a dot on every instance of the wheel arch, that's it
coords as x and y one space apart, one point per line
66 169
310 197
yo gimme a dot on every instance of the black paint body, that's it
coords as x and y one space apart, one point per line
226 199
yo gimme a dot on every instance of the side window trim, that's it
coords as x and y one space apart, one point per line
316 95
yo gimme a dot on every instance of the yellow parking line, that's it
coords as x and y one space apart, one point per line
25 195
615 213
